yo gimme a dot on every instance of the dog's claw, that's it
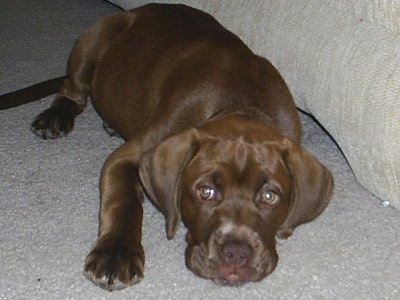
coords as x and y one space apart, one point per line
110 282
110 131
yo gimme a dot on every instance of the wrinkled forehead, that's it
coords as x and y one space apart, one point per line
241 158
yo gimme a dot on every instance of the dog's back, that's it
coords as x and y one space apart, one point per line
186 61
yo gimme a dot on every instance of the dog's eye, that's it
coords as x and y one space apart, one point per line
206 193
268 197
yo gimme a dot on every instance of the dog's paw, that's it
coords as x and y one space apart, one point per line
52 124
56 121
114 268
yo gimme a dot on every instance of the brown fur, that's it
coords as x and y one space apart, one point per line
212 136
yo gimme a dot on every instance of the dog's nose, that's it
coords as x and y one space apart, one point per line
236 253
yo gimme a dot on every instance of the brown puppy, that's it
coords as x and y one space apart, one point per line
212 136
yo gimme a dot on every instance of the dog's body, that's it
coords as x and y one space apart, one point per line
212 136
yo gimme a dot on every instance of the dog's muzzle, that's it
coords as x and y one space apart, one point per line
232 255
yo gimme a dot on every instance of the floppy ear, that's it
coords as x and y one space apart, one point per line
313 187
160 171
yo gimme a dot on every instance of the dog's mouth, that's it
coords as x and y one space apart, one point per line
237 276
231 262
232 276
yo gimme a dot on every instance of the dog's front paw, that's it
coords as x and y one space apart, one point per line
114 267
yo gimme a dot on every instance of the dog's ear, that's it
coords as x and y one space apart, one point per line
160 171
313 187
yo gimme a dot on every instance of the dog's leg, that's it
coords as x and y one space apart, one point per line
117 259
58 120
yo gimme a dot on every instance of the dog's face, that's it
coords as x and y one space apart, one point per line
235 188
235 195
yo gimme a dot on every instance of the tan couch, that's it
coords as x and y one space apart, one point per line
341 60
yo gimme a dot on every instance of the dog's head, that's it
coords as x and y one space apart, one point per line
236 184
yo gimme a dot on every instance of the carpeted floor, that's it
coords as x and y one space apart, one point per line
49 197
